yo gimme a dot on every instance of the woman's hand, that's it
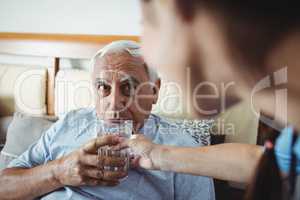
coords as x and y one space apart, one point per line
145 152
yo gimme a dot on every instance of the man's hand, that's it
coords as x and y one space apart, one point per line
85 167
145 152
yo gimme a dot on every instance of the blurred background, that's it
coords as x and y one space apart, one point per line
92 17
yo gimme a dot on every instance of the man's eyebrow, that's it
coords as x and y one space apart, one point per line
100 80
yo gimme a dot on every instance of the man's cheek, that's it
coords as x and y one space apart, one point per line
143 106
101 106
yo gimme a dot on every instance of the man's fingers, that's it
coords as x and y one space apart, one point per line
112 161
93 145
90 160
122 145
108 183
104 175
98 161
94 173
113 175
94 182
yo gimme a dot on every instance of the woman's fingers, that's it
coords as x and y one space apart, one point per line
130 143
134 163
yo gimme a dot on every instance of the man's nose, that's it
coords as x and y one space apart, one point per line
117 101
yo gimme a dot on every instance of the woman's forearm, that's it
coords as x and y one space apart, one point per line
232 162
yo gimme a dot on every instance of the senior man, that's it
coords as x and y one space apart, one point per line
63 163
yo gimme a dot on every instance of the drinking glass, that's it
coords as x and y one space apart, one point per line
122 128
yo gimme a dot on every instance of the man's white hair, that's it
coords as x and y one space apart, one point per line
131 47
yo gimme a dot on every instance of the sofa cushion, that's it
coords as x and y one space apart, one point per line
4 123
22 132
22 88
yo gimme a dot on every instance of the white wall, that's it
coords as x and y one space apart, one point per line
70 16
112 17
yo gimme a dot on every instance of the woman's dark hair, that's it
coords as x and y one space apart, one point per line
253 27
255 10
268 183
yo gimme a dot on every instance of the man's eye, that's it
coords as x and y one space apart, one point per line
103 89
127 89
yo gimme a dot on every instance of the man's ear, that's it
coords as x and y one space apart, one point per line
156 89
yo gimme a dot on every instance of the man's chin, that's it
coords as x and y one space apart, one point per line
116 120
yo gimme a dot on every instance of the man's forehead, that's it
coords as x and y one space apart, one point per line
115 60
121 65
117 74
